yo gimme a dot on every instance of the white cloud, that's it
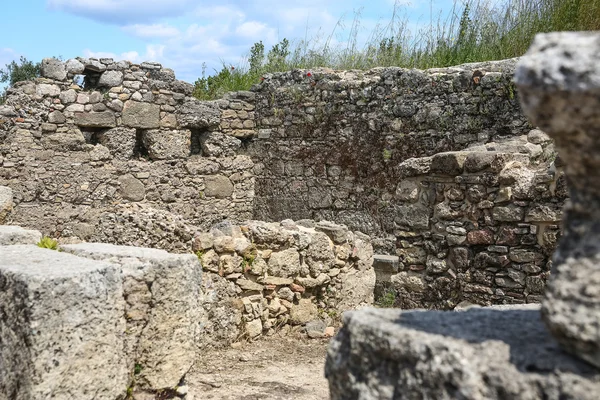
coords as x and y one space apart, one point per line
222 31
151 31
122 11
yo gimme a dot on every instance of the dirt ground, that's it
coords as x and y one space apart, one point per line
274 368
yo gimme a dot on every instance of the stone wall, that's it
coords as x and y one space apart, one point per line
128 157
476 226
261 277
74 152
329 143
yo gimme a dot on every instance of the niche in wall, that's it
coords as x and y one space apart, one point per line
140 150
196 141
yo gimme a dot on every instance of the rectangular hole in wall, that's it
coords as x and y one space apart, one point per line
92 135
196 142
140 150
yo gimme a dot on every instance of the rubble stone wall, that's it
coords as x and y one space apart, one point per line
92 137
477 226
329 143
262 277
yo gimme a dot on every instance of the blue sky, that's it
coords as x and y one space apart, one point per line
183 34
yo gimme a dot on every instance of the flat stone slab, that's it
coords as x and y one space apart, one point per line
11 235
162 294
61 330
478 354
385 263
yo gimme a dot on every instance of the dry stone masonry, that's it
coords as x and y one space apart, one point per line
505 351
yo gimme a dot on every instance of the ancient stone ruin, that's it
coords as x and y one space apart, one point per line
505 351
437 188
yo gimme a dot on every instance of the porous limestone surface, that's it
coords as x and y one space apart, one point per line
62 326
11 235
161 291
477 354
559 80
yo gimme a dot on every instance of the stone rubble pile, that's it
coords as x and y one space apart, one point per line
507 352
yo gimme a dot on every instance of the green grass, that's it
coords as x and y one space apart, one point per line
476 30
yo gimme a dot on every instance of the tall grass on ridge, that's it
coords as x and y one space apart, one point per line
475 30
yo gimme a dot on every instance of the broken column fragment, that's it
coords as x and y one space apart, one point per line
559 83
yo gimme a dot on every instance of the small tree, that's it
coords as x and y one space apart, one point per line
16 72
22 71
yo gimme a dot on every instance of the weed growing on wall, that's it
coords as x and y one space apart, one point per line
48 243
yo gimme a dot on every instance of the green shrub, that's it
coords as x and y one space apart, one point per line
387 298
48 243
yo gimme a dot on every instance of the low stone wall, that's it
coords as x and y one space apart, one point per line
286 274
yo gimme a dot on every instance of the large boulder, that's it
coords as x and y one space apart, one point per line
477 354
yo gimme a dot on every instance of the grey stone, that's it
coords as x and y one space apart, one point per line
6 203
303 312
119 141
167 144
13 235
131 188
141 115
337 233
68 96
387 264
54 69
162 292
450 163
509 213
110 79
407 191
56 117
105 119
414 216
358 288
254 328
194 114
46 89
74 67
218 186
559 82
284 263
475 354
70 345
414 167
216 144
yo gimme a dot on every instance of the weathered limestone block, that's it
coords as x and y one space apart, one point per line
53 69
6 203
167 144
215 144
161 291
61 334
120 141
11 235
194 114
141 115
478 354
103 119
559 83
